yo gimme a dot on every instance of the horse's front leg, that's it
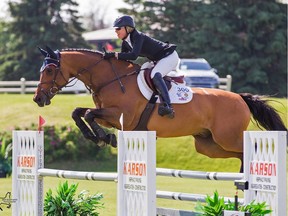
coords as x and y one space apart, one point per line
77 115
90 116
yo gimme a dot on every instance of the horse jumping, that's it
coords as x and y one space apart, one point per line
215 118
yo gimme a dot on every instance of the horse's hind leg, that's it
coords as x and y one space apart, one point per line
207 146
86 131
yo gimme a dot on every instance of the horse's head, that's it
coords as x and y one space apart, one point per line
51 78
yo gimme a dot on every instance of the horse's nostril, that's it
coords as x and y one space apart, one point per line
37 99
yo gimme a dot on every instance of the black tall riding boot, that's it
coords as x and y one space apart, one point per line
165 106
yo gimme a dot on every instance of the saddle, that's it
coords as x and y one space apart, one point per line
167 79
179 93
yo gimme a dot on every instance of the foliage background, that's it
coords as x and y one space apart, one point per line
246 39
32 24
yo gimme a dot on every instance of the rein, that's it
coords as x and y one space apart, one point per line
117 78
80 72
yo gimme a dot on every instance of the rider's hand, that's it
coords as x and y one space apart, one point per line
108 55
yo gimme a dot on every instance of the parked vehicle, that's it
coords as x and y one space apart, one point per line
198 73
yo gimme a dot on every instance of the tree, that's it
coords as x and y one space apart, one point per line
247 39
35 23
97 16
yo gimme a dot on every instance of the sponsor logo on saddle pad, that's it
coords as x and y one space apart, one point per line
179 92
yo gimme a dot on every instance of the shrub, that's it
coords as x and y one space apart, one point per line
64 142
65 202
215 205
5 157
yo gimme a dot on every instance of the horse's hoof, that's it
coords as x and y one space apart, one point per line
102 144
112 140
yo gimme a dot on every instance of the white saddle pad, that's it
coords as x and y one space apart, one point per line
179 92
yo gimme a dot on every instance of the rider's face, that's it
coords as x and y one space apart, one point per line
121 32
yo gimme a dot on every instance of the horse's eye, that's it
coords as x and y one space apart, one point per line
49 71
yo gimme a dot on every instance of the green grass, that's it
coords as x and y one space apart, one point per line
178 153
109 190
20 110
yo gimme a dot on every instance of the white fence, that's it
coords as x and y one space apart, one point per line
23 86
226 83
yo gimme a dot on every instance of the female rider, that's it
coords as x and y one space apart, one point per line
134 44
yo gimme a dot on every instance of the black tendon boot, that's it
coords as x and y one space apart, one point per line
165 108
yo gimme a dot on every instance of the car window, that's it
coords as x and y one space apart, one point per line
194 66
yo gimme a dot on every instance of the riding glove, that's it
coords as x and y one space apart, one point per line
108 55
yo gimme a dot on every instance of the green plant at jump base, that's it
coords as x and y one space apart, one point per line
65 202
215 206
5 157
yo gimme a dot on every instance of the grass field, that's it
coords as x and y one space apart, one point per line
178 153
108 189
20 110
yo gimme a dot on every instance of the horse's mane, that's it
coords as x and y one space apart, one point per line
89 51
82 50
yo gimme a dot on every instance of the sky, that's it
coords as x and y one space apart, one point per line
85 6
109 8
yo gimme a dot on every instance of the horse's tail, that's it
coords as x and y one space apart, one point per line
264 114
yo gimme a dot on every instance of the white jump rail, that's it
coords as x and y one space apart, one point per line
93 176
221 176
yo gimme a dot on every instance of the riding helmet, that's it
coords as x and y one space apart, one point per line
124 21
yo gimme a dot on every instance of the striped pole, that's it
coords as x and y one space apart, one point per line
93 176
188 197
104 176
222 176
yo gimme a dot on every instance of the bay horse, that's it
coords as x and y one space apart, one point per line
215 118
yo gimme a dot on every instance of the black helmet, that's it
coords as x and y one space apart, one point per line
124 21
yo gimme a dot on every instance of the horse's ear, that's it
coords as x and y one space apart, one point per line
51 52
43 51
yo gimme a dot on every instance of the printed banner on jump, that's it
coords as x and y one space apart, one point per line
263 176
26 167
135 176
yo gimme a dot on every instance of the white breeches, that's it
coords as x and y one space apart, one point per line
166 65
